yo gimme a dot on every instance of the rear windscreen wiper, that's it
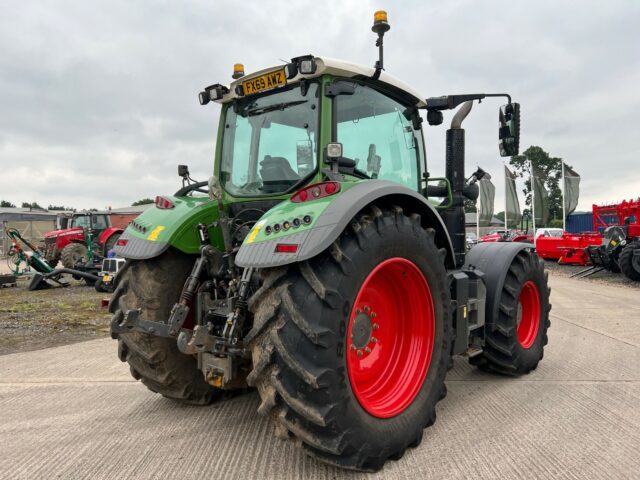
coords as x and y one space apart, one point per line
271 108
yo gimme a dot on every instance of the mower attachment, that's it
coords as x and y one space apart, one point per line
41 281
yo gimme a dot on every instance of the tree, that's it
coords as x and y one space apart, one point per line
33 205
550 167
470 206
4 203
143 201
60 207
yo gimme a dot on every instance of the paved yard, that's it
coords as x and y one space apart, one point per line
74 412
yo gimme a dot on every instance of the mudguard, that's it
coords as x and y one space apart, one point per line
155 230
494 260
106 233
326 219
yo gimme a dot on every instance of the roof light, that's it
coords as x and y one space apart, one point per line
286 248
307 67
238 70
380 16
290 70
203 98
315 191
212 92
305 64
163 203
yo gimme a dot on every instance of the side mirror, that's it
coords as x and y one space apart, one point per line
509 129
183 171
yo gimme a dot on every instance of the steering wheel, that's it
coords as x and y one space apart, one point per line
194 187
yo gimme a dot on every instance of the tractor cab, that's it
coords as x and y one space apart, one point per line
90 221
276 125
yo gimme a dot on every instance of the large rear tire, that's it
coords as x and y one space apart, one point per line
630 264
350 349
154 285
515 340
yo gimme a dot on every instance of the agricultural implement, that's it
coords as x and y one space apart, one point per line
324 266
44 276
619 250
614 244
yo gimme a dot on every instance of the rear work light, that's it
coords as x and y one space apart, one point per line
164 202
286 248
315 191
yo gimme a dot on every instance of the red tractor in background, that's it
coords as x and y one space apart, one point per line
70 244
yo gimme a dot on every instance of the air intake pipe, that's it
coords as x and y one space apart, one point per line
454 217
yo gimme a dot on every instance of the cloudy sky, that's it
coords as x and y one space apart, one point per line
98 100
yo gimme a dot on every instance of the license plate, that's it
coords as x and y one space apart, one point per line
106 278
264 82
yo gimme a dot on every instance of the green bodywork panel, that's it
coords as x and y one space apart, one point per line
177 226
287 211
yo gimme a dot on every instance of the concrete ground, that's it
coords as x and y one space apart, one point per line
74 412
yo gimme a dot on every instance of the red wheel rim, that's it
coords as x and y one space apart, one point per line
528 314
391 336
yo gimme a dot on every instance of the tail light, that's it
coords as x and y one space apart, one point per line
122 242
163 202
286 248
315 191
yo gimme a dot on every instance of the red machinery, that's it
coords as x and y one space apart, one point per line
572 248
618 214
70 244
568 249
507 236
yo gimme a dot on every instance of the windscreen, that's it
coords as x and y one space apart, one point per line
269 143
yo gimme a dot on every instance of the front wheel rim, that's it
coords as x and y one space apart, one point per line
528 314
391 338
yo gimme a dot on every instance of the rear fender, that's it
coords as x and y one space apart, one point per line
494 260
106 234
155 230
329 217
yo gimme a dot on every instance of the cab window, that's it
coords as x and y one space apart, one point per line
375 132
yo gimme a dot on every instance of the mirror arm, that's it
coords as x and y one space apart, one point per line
449 102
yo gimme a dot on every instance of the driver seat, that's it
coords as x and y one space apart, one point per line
276 172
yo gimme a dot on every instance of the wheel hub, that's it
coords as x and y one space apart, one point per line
362 330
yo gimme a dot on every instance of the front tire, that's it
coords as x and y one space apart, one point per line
72 254
154 285
350 349
514 342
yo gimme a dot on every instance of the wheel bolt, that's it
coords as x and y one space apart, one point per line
373 314
359 353
353 347
376 326
368 350
358 310
374 339
367 309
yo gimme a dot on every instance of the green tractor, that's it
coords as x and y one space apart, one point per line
324 266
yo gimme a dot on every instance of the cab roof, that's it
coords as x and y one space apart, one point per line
339 68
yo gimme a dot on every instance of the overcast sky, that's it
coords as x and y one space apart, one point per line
98 100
